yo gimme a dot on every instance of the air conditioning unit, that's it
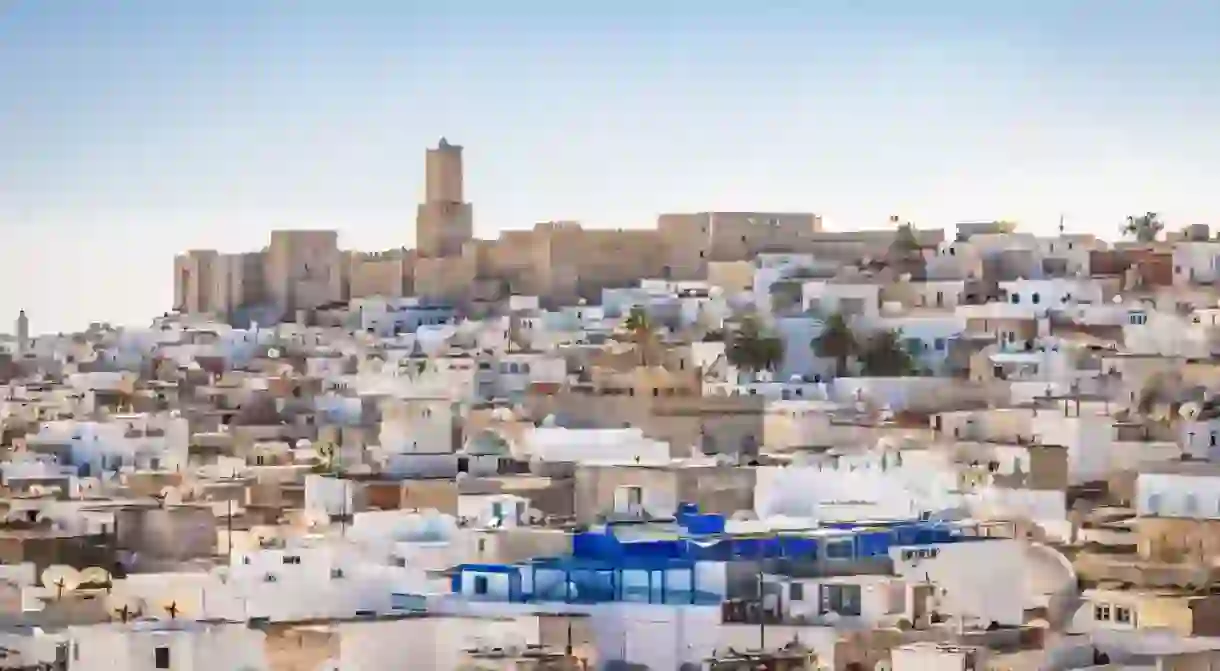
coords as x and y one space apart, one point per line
270 577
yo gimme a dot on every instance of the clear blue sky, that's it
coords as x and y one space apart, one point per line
132 130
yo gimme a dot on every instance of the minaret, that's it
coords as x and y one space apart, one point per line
23 332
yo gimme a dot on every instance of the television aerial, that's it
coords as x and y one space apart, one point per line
171 606
124 606
61 578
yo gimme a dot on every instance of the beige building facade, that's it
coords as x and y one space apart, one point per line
303 270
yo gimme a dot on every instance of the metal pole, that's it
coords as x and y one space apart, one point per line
229 526
762 605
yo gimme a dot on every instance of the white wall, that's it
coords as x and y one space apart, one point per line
192 647
965 572
895 492
1178 495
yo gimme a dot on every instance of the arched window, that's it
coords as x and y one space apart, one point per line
1154 503
1191 504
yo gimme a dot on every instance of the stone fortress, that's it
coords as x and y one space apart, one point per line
560 262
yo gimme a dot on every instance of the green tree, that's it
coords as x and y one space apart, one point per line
1144 228
836 341
884 355
326 454
905 243
752 349
638 329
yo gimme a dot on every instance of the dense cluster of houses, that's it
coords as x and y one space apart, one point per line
989 451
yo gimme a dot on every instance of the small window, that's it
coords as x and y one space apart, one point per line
1101 612
940 344
480 584
1036 298
1191 504
1016 298
292 559
482 545
336 573
1122 615
839 550
796 592
161 658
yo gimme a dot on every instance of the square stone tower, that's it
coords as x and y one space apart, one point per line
444 222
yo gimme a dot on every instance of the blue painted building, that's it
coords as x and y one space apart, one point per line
681 562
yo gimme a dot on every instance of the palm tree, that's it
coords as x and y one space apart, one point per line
639 330
884 356
637 322
326 454
1144 228
751 349
905 242
836 341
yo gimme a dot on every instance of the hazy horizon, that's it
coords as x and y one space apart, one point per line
134 130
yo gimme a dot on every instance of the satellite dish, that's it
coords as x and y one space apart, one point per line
1117 300
315 518
95 575
124 606
60 578
42 490
1189 411
171 496
273 353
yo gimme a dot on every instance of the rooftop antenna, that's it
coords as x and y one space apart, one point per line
125 606
1060 224
171 607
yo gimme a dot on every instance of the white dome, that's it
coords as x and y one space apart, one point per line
550 422
304 444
